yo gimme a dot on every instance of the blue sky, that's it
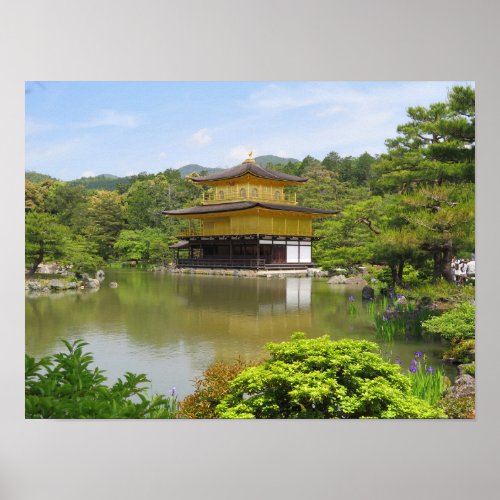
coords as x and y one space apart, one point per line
76 129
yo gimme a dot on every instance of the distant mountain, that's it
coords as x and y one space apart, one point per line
261 160
194 167
37 178
274 160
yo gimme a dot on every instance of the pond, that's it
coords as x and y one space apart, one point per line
173 326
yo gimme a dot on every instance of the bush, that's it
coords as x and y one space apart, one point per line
319 378
463 407
462 351
64 386
457 324
469 369
440 291
210 389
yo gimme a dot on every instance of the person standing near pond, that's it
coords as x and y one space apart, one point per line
471 270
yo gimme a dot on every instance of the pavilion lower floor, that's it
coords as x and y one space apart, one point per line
248 252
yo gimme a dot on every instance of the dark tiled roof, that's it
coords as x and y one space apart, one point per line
245 205
180 244
252 168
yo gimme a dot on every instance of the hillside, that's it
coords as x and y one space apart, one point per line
107 182
36 177
194 167
274 160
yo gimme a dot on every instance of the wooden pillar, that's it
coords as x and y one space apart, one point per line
230 249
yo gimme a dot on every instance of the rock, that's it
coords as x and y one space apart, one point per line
337 280
71 285
465 385
100 275
356 280
402 300
113 284
47 268
57 285
90 282
368 293
46 289
33 286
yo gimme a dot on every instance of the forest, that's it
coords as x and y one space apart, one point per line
410 209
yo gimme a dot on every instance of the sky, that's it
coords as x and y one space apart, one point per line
82 129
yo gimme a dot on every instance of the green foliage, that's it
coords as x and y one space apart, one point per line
469 368
461 351
319 378
456 324
45 239
37 178
65 386
427 383
148 244
440 291
210 389
81 254
106 220
463 407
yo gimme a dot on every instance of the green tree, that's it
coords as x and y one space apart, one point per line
106 220
319 378
148 244
45 239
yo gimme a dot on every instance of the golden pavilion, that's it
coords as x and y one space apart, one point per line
247 221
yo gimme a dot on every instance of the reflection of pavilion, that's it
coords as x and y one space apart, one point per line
243 296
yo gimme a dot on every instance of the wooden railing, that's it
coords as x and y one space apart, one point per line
222 263
213 198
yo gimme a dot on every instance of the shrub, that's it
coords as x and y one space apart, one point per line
320 378
463 407
469 369
457 324
462 351
210 389
64 386
440 291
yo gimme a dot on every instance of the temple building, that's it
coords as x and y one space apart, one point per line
246 220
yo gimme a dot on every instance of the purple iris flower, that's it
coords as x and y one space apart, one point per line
414 362
384 317
430 369
398 361
413 368
351 298
418 354
173 391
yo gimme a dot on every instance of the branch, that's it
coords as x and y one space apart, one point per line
368 222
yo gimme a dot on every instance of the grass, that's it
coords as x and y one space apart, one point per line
427 383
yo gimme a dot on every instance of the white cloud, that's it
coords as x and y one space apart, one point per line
202 137
34 126
110 117
239 153
88 173
55 151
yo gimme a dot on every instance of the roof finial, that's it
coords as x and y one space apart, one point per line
249 159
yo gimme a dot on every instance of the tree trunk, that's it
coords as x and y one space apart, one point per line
399 272
446 261
437 271
38 260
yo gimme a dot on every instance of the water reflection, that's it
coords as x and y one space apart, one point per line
173 326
